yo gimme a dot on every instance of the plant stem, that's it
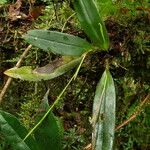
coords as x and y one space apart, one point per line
57 99
67 21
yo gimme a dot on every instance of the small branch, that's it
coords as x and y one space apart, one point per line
5 88
135 114
10 79
23 56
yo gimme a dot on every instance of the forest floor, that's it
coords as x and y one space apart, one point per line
130 63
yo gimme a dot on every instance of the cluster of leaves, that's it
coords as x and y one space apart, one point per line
65 44
130 89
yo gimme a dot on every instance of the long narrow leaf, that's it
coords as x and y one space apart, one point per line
104 113
14 133
92 23
57 42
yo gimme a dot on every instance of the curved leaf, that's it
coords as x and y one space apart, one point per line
92 23
57 42
50 133
14 132
104 113
50 71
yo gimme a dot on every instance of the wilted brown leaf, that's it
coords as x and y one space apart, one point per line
14 12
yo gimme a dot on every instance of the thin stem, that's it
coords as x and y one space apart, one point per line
56 101
77 71
67 21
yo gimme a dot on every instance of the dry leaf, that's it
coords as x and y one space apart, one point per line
14 11
35 12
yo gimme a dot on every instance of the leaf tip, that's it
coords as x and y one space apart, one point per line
9 72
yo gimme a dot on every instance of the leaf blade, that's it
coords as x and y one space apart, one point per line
92 23
49 134
57 42
14 132
42 73
104 113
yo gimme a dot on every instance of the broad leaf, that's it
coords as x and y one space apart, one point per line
92 23
50 71
14 132
49 134
104 113
57 42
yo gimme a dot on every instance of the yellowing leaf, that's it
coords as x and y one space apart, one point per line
50 71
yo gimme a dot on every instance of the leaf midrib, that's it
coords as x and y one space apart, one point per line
88 17
59 42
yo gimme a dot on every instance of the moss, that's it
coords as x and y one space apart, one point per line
29 110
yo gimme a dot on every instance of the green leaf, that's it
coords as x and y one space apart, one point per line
2 2
57 42
50 133
92 23
14 132
50 71
104 113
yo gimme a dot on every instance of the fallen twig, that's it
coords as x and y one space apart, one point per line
9 78
135 114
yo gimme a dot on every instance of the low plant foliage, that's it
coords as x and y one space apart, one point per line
48 132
